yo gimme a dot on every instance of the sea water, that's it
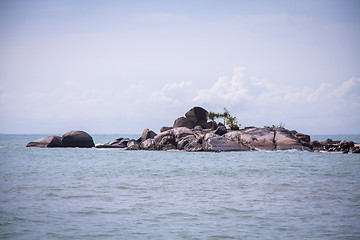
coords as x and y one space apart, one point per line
55 193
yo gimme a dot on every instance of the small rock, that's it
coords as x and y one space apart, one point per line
221 130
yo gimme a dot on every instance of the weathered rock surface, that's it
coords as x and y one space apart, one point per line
147 133
50 141
133 145
259 139
286 140
77 139
163 129
217 143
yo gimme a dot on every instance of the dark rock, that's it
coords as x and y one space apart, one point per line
116 141
302 137
356 150
181 132
50 141
146 134
197 115
210 125
133 145
198 128
328 141
185 140
221 130
183 122
346 145
106 145
163 129
165 142
169 139
77 139
316 145
294 132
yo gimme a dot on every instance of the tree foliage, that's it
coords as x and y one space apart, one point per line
229 120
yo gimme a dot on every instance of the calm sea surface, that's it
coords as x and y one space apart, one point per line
117 194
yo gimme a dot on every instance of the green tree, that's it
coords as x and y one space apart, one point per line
211 116
225 115
232 123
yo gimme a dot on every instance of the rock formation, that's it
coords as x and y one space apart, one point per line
70 139
193 133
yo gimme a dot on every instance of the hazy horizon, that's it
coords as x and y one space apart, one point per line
118 67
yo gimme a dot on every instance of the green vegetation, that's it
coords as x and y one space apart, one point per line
229 120
232 123
280 125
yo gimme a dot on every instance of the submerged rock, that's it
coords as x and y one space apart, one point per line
117 143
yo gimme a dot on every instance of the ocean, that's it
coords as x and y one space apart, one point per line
56 193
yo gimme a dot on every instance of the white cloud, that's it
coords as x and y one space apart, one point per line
226 91
346 87
172 92
259 101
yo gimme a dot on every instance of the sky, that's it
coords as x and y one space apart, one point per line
122 66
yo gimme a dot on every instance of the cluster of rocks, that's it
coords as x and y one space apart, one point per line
335 146
70 139
193 133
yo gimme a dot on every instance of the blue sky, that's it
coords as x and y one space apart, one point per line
121 66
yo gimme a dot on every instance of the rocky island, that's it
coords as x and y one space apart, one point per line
193 132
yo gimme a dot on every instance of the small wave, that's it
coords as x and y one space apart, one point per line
83 212
222 237
51 195
79 196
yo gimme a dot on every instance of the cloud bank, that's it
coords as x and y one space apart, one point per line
253 100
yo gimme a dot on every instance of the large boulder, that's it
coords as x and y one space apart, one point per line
285 140
148 144
193 117
221 130
183 122
49 141
216 143
198 116
257 138
146 134
77 139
